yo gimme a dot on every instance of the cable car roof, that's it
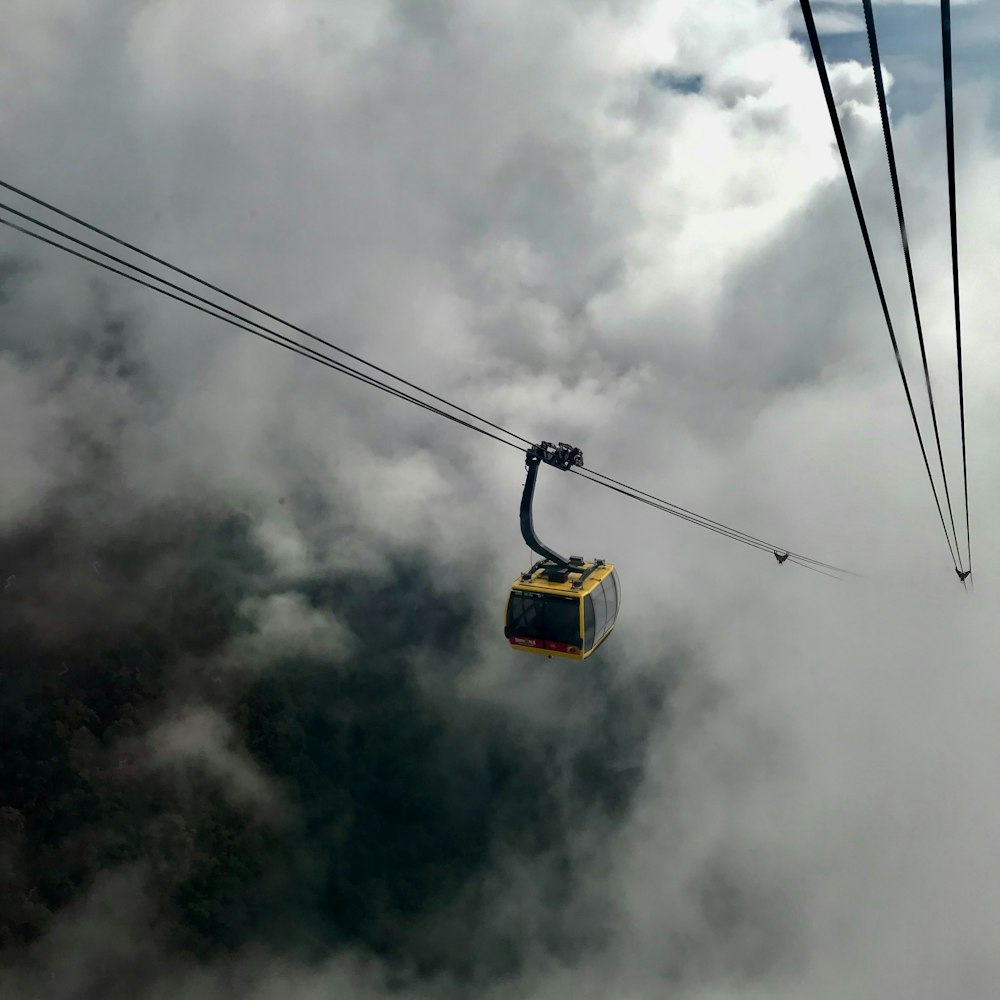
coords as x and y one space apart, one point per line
539 584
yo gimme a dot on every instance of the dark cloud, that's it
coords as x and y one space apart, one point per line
395 802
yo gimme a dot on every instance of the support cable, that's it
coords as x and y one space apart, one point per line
856 198
949 131
720 529
273 337
707 522
243 302
204 305
891 157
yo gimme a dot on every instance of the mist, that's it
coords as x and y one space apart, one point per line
260 733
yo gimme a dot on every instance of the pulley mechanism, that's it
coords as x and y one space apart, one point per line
557 568
562 456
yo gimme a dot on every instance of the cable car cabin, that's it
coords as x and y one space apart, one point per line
562 611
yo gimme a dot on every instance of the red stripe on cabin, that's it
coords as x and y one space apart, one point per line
561 647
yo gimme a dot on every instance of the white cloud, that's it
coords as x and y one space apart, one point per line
27 476
199 737
285 626
836 22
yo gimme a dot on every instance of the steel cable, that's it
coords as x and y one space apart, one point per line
817 52
891 157
949 129
720 529
191 299
269 335
243 302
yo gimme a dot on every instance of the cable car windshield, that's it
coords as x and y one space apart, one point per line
544 616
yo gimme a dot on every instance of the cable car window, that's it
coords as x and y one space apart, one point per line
588 622
524 614
562 620
600 611
611 593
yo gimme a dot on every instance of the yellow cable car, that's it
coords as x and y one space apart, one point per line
559 607
569 618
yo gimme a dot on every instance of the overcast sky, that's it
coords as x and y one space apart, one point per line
622 224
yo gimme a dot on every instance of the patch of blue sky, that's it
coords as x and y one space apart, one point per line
909 38
678 83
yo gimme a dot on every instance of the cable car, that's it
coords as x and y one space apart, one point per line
559 607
